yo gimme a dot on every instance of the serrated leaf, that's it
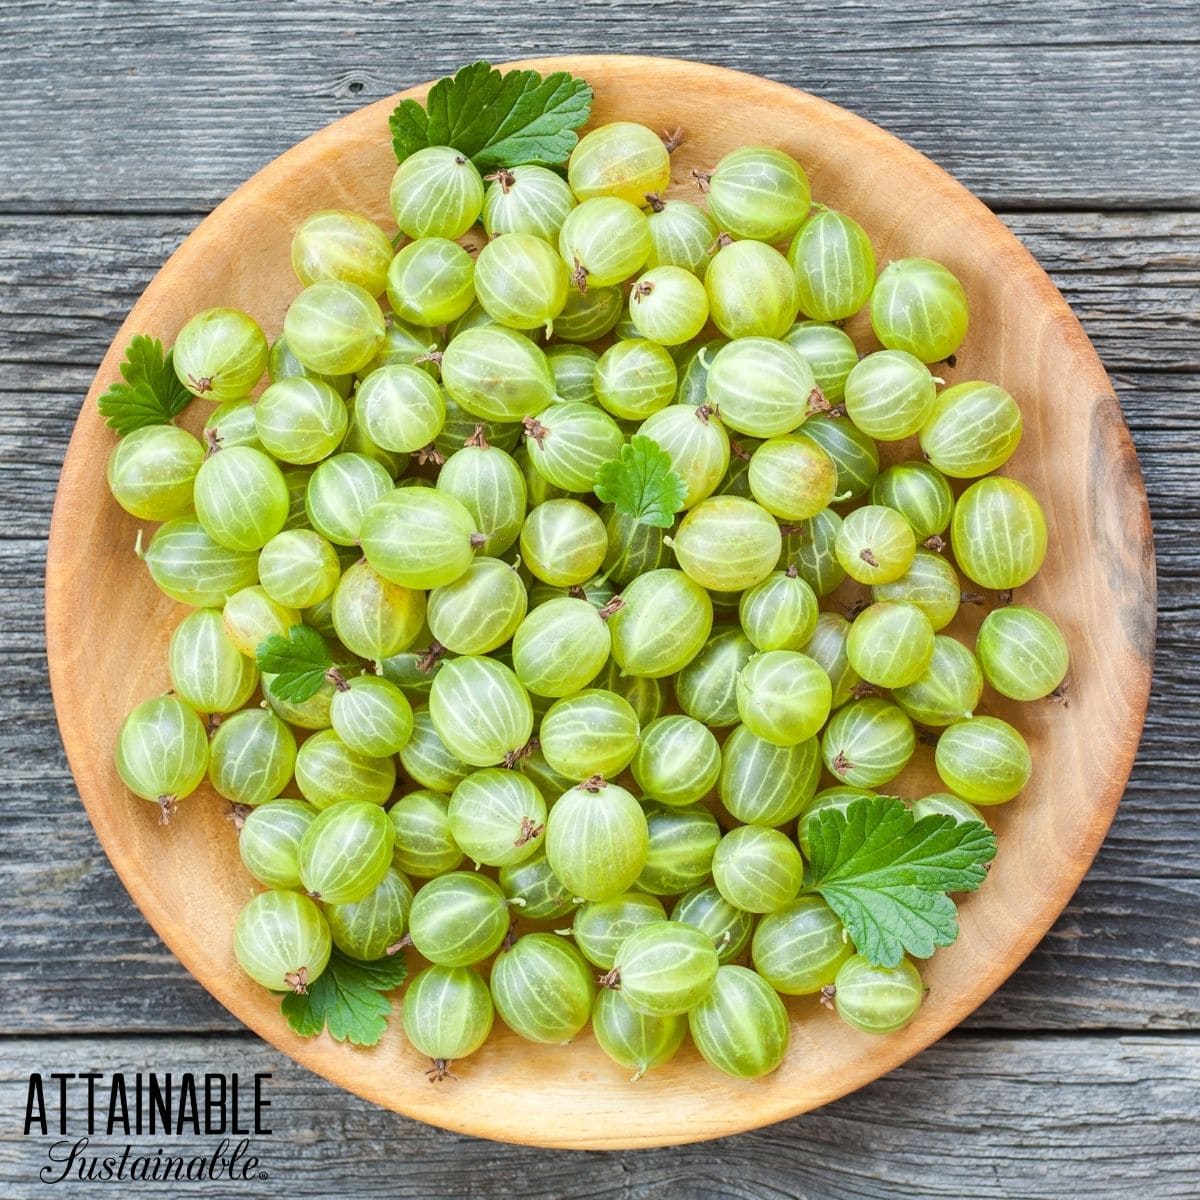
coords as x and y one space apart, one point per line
886 875
298 661
496 120
347 999
642 483
149 394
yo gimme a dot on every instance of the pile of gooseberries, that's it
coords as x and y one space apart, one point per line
566 756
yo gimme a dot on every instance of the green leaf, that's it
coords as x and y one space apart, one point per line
150 393
496 120
298 662
347 999
642 484
886 875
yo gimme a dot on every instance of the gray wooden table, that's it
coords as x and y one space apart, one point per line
122 123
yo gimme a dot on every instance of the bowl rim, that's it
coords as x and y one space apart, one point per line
892 1051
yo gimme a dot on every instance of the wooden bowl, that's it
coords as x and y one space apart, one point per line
107 624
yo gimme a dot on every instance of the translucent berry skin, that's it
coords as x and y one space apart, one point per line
340 491
704 908
597 841
948 690
664 622
799 948
497 817
162 751
535 891
542 988
497 374
677 760
920 307
741 1027
334 244
810 546
683 839
151 472
867 743
590 733
783 696
757 869
633 1040
480 610
943 804
418 537
207 669
436 192
424 846
998 533
447 1013
972 429
372 716
346 852
480 710
635 378
633 548
779 613
751 291
220 354
603 241
681 235
251 616
665 968
374 617
1022 652
890 644
589 315
645 696
252 756
529 199
759 386
875 545
705 687
889 395
758 192
568 443
458 919
281 940
827 647
428 760
298 568
329 772
521 281
834 264
574 370
829 351
600 927
334 328
983 760
366 928
560 646
232 423
431 282
622 159
269 841
919 493
764 784
877 999
490 485
697 443
400 408
241 499
792 477
563 542
668 305
727 544
930 583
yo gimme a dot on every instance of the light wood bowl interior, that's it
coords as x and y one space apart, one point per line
108 626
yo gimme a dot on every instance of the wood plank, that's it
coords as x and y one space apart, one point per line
989 1118
1045 105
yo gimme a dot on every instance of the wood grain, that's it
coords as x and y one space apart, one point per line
1024 337
988 1118
1062 104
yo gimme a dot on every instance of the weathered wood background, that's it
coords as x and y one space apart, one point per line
123 122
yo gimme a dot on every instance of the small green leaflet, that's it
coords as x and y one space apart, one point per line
496 120
150 393
298 661
642 484
886 875
348 999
